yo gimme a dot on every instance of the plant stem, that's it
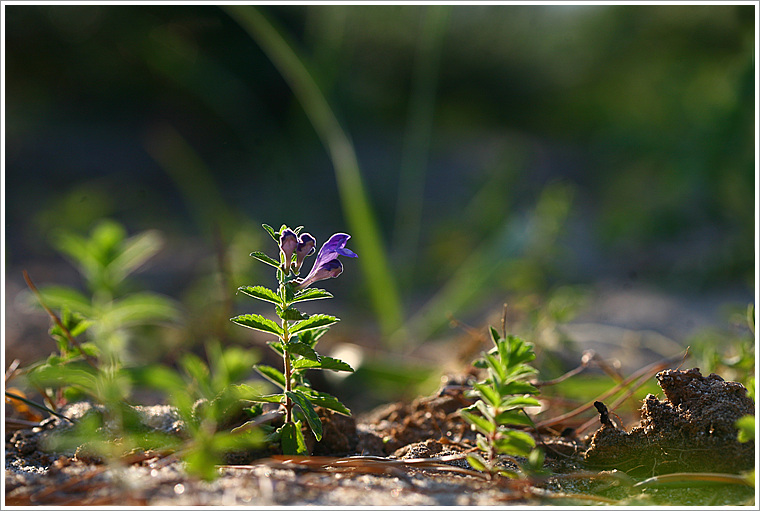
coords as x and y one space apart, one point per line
286 356
90 360
492 448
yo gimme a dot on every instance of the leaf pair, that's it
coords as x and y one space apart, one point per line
262 324
267 295
305 399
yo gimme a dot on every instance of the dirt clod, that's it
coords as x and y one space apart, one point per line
692 430
429 417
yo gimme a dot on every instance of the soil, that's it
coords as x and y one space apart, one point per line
692 430
411 454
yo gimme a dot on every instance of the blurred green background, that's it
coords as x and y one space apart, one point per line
477 155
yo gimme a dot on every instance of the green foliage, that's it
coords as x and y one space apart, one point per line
746 427
113 310
107 257
108 317
499 409
297 335
206 397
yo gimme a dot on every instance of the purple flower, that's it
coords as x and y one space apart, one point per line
327 264
305 248
288 245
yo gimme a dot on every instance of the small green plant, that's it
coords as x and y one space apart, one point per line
297 333
208 398
91 332
108 317
111 311
501 399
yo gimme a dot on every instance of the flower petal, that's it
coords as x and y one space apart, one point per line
329 270
327 265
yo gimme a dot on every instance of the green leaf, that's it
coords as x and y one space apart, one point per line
269 398
503 348
275 236
304 350
536 459
260 323
311 294
496 367
746 425
513 418
308 410
228 441
325 400
134 252
512 402
488 393
271 374
90 349
77 375
481 423
261 293
508 473
515 443
520 371
244 391
75 248
516 387
291 314
482 443
495 336
140 309
229 365
292 440
310 337
76 325
290 293
485 410
59 297
519 351
328 363
477 462
261 256
472 408
315 321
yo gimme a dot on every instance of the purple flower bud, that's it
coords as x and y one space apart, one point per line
305 248
327 264
288 245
